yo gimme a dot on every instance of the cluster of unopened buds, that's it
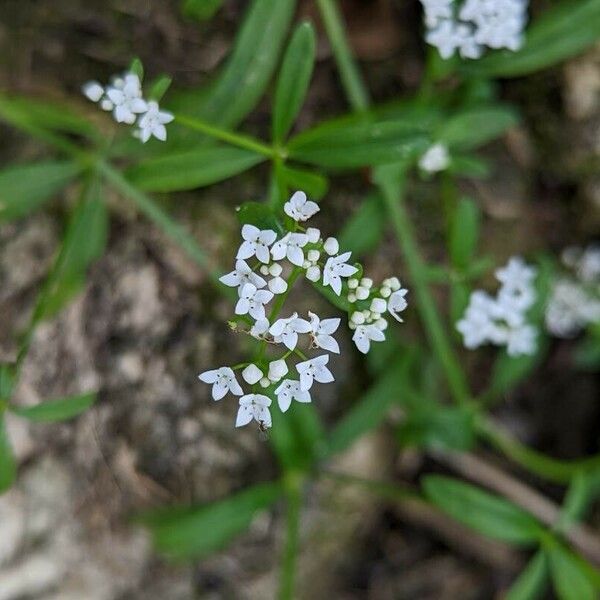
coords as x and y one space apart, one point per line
469 26
502 320
299 251
575 296
124 99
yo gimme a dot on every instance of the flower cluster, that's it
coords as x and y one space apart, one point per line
276 263
125 100
502 320
575 297
435 159
473 25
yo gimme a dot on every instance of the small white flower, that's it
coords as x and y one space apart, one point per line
254 406
435 159
365 334
93 91
444 37
223 380
477 323
252 374
260 327
313 273
252 301
256 243
516 273
277 369
290 390
314 370
290 246
322 332
153 122
241 275
278 285
127 100
287 330
521 340
397 303
314 235
299 208
331 246
336 268
435 10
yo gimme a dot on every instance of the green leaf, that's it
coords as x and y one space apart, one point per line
159 87
476 126
84 242
6 382
352 142
24 188
137 68
192 169
509 371
533 580
473 167
245 77
313 184
364 230
570 575
564 30
294 78
8 465
259 214
464 233
203 10
583 490
56 410
202 530
486 513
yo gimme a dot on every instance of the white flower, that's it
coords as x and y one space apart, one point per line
252 374
256 243
127 100
570 308
287 330
254 406
477 322
516 274
322 332
365 334
314 235
299 208
93 91
314 370
260 327
290 390
588 269
521 340
444 37
153 122
397 303
335 268
278 285
241 275
252 301
435 159
331 246
290 246
222 380
435 10
277 369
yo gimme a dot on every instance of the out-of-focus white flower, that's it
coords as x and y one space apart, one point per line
435 159
477 322
287 330
436 10
322 332
365 334
277 369
241 275
254 406
252 374
397 303
588 268
516 273
444 37
300 208
336 268
314 369
153 121
93 91
127 101
256 243
252 301
290 390
290 246
521 340
223 380
571 308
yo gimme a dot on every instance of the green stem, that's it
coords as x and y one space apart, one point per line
389 182
356 91
235 139
293 483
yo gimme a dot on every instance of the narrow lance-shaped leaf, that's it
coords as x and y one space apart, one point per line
199 531
56 410
294 78
571 575
313 184
8 466
464 233
363 231
533 580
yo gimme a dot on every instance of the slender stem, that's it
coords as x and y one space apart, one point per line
405 235
293 484
235 139
354 86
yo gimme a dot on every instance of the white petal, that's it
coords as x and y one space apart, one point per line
262 253
290 339
244 415
278 285
242 306
262 413
346 270
250 232
277 328
309 209
284 399
306 381
165 117
219 390
329 326
327 342
257 312
115 96
336 284
295 255
324 375
235 388
267 236
231 279
247 250
160 132
278 250
301 326
209 376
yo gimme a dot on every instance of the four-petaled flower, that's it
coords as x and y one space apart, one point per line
397 303
127 99
222 380
254 406
252 301
241 275
153 121
336 268
287 330
314 370
290 390
290 246
299 208
321 332
365 334
256 243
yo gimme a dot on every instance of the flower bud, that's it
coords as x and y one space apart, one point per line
277 369
313 255
275 269
362 293
93 91
352 284
331 246
278 285
352 298
394 283
357 318
366 282
381 324
252 374
378 305
264 382
313 235
313 273
385 291
264 270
